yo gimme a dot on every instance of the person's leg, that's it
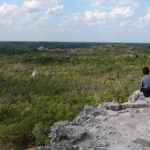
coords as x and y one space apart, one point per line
146 92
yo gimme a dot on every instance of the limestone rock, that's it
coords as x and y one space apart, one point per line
143 142
128 146
137 95
109 126
61 146
64 135
64 131
40 148
112 106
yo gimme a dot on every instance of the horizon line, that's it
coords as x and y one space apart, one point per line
45 41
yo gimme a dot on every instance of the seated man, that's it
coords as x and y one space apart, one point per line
145 82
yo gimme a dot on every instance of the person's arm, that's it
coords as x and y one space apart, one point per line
141 86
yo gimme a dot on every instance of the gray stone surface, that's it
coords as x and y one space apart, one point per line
143 142
40 148
110 126
137 95
64 131
61 146
128 146
112 106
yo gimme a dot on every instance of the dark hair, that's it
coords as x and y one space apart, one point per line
145 70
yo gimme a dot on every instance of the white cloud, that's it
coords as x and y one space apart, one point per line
74 16
133 3
127 23
93 17
6 23
105 11
145 20
95 3
37 12
7 14
42 6
119 12
69 22
29 13
114 14
8 10
104 4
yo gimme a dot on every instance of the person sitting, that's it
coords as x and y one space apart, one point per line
145 82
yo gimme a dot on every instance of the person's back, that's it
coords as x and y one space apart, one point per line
145 82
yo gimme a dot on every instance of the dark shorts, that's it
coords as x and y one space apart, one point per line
146 92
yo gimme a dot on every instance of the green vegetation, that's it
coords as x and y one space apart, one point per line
67 80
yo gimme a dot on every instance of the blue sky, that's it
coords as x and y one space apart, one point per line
77 20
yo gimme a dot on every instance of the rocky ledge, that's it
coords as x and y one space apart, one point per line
109 126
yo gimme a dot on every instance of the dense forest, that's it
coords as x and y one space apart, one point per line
68 78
